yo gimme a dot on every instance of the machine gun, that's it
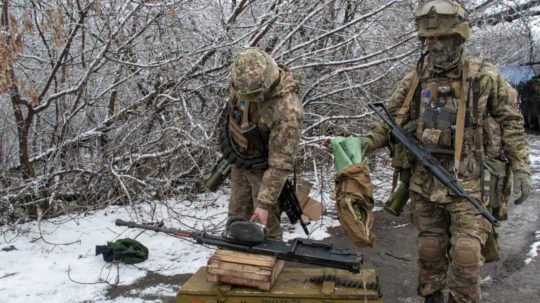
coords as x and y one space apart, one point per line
417 150
297 250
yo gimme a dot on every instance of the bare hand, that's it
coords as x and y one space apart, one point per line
260 215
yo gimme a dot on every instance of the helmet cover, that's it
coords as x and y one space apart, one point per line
441 18
253 73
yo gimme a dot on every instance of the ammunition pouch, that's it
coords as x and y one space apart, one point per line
439 117
239 156
439 131
496 184
490 249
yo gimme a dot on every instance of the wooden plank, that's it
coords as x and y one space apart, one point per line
239 274
243 258
240 267
277 270
262 285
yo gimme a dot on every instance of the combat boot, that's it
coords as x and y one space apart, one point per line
436 297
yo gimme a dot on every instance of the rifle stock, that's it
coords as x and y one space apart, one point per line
417 150
297 250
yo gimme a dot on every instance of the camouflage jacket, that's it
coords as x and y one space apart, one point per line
279 120
498 130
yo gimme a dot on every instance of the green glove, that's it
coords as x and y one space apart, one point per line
367 144
522 186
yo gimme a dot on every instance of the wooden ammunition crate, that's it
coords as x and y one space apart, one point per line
292 286
239 268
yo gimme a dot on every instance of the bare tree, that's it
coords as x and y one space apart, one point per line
119 101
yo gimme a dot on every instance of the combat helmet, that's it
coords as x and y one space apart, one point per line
253 74
441 18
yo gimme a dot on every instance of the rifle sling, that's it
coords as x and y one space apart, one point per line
401 116
460 120
407 102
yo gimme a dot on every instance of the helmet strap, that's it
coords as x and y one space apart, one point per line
421 61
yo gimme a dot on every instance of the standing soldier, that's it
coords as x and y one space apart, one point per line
465 114
260 138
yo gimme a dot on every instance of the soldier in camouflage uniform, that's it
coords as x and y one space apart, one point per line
263 131
487 129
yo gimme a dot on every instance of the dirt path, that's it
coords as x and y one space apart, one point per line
509 280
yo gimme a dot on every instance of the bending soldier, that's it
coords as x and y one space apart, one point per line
260 138
465 114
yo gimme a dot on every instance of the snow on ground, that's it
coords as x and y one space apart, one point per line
55 261
535 248
534 157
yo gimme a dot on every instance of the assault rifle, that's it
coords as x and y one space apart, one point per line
297 250
288 202
417 150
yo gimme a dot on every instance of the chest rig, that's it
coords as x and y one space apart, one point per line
440 102
438 109
241 141
444 111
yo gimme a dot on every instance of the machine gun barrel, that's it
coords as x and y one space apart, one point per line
417 150
299 250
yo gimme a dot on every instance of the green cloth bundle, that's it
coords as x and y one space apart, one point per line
347 152
125 250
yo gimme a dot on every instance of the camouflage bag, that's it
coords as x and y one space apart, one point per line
353 190
354 202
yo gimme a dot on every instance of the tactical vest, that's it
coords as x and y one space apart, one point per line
445 115
438 111
241 141
437 121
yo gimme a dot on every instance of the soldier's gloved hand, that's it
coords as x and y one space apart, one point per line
522 186
367 144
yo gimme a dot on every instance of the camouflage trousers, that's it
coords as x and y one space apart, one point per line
244 189
450 241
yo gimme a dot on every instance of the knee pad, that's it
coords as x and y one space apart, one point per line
466 251
429 249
